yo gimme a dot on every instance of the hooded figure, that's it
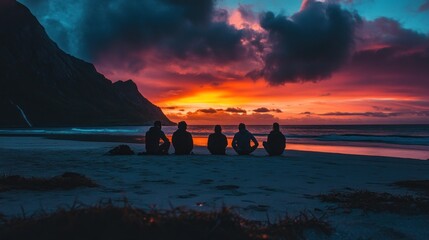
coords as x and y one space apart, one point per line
217 142
276 141
182 140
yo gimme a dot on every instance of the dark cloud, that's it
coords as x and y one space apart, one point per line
393 65
214 78
230 118
422 113
117 29
309 45
235 110
385 31
247 13
220 15
344 1
193 77
424 7
366 114
209 110
262 110
378 114
378 108
238 110
389 54
170 108
306 113
265 110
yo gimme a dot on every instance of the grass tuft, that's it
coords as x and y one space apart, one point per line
378 202
415 185
66 181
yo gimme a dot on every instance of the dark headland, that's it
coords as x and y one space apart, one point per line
42 86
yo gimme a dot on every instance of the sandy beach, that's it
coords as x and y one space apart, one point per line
257 186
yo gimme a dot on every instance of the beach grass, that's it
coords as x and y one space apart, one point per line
377 202
65 181
415 185
108 221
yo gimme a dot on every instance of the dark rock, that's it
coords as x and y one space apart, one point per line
53 88
121 150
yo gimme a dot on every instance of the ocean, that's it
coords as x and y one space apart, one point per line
406 141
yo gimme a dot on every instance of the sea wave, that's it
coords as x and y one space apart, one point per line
103 130
405 135
393 139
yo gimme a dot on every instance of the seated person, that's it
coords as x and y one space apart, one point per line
182 140
217 142
152 139
276 142
241 141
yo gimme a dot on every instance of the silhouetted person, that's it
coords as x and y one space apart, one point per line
182 140
217 142
241 141
152 139
276 141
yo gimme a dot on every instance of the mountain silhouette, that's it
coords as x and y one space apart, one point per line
42 86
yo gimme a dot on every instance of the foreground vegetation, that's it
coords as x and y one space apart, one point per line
378 202
107 221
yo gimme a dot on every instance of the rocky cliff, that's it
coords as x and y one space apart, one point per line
42 86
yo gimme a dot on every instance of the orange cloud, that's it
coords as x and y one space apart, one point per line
201 117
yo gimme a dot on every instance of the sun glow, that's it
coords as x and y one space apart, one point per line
207 99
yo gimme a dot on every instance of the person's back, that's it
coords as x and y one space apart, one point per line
217 142
182 140
242 139
276 141
152 140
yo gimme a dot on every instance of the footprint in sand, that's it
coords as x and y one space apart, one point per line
227 187
231 190
185 196
162 181
269 189
235 194
206 181
144 192
258 208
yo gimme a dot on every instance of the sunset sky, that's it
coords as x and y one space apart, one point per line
230 61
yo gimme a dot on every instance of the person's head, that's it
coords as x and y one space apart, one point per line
182 125
157 124
218 129
241 127
276 127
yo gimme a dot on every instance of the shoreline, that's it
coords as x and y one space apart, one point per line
354 148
